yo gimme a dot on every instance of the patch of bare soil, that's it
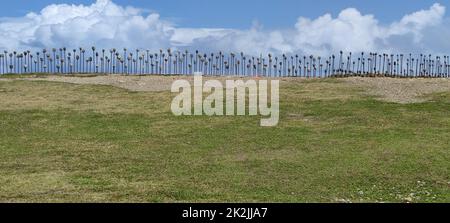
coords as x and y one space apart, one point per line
401 90
387 89
133 83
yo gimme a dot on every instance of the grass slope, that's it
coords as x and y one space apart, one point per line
63 142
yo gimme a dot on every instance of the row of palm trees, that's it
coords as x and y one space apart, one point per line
169 62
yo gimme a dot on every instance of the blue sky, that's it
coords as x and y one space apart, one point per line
284 26
241 13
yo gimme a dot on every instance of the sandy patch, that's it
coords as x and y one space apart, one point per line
401 90
388 89
134 83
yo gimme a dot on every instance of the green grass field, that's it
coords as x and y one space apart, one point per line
63 142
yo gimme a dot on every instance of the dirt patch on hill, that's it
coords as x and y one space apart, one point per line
134 83
387 89
401 90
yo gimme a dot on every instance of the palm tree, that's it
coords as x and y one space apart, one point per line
5 61
74 64
89 61
96 62
94 57
401 64
378 69
340 62
54 57
151 63
186 53
5 58
299 67
122 64
11 67
77 64
25 66
130 65
24 60
30 55
2 64
117 61
61 56
19 65
14 55
350 62
113 59
82 60
64 55
332 64
62 61
135 61
147 61
244 66
71 68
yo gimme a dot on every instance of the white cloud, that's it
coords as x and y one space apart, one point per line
106 24
352 31
103 23
253 41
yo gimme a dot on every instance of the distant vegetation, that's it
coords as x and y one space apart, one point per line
168 62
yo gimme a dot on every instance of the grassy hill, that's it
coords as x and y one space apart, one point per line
64 142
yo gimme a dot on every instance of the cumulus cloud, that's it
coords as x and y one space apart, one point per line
252 41
103 23
352 31
106 24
